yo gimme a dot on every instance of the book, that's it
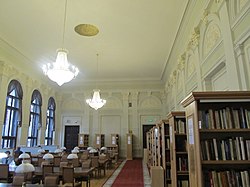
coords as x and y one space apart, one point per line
215 149
242 148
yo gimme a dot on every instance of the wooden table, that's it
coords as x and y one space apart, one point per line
78 172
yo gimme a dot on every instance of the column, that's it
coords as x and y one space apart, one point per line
231 66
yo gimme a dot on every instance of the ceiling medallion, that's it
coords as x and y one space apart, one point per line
86 30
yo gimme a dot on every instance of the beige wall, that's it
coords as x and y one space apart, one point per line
216 54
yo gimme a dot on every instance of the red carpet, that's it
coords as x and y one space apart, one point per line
131 175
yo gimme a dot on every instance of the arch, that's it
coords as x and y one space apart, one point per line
210 34
113 102
150 102
72 104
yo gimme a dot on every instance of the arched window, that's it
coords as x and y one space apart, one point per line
35 118
13 114
50 121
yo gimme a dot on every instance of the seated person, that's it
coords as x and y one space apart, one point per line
8 159
17 153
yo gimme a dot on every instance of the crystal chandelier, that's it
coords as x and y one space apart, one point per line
61 71
96 102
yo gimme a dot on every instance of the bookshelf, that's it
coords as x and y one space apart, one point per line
129 146
218 138
83 140
114 144
99 140
156 147
165 142
149 148
179 154
115 139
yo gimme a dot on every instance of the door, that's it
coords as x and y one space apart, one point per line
71 137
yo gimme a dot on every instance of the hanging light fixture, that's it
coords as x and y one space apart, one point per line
96 102
61 71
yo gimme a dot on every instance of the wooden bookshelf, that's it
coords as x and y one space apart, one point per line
156 147
178 150
114 144
218 126
165 143
129 146
99 140
149 148
83 140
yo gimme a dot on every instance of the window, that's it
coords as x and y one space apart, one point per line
50 122
35 118
13 114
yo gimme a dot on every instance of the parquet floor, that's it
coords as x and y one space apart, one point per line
99 182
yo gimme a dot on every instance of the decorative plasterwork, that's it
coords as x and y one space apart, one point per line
72 105
150 102
212 35
181 62
239 50
204 17
179 81
194 41
242 3
190 66
113 102
173 77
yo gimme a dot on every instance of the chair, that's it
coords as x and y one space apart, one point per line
64 157
86 164
103 163
4 174
18 180
75 162
47 169
68 177
39 161
63 164
57 160
51 180
84 156
95 164
44 163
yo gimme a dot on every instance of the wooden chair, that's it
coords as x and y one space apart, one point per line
51 180
75 162
57 160
86 164
103 163
95 164
47 169
68 177
63 164
4 174
39 161
18 180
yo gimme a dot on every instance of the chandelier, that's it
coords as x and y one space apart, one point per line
61 71
96 102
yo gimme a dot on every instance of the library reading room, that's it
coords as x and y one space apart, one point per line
121 93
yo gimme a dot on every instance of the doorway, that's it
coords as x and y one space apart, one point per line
145 129
71 136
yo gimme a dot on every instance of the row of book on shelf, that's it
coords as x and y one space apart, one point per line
234 148
182 164
225 118
229 178
180 127
182 183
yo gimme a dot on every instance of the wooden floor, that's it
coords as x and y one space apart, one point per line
99 182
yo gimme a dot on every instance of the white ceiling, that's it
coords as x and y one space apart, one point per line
134 41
